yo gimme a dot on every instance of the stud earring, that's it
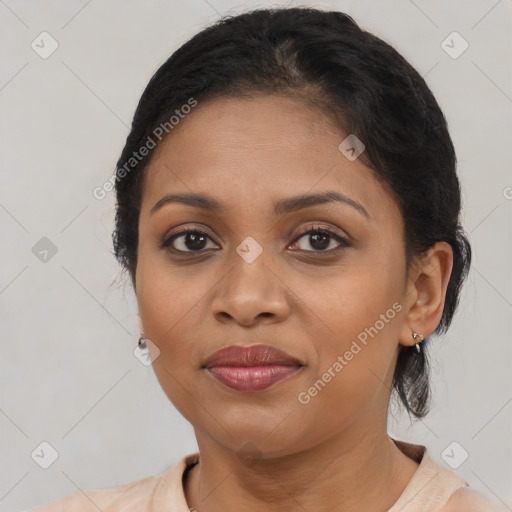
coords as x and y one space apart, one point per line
418 338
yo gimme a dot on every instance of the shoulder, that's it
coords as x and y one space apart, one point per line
134 496
466 499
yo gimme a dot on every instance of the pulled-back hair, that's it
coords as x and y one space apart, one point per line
367 88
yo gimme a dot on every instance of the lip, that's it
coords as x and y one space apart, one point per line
252 368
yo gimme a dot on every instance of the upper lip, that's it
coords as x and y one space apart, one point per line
254 355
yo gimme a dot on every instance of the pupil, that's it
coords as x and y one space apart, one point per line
196 241
320 245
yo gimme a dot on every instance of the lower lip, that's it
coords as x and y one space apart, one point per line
252 378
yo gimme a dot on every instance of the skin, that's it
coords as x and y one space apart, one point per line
333 453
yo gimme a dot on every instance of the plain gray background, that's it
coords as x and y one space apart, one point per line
69 325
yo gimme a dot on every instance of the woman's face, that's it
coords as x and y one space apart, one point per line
333 302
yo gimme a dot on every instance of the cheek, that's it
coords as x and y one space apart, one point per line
168 311
353 372
351 299
168 305
358 315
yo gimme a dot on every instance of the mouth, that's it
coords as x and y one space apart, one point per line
251 369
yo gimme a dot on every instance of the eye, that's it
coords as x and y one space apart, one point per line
321 239
196 240
188 240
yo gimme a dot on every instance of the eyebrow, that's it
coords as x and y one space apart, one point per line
281 207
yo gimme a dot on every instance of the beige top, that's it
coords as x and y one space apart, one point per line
432 488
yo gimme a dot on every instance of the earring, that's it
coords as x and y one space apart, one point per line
418 338
142 342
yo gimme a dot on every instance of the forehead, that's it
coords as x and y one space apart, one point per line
254 151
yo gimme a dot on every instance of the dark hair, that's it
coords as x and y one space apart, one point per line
367 87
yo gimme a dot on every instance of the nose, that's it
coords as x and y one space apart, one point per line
251 293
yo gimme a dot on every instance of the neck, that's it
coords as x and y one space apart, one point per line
357 471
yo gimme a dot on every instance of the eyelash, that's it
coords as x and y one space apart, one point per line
344 243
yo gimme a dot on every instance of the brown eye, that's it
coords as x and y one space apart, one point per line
190 240
321 240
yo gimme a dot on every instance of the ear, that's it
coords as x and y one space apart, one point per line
426 292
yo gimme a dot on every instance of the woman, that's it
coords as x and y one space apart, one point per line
293 240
